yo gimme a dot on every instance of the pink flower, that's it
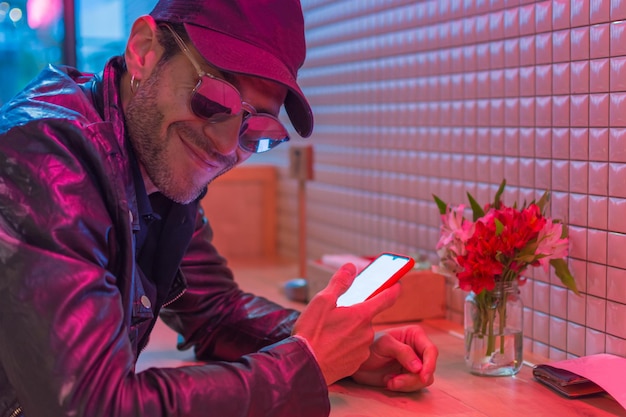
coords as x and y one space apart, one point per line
455 231
550 243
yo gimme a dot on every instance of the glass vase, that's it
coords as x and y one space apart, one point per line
494 322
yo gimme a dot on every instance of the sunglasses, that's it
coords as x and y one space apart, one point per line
216 100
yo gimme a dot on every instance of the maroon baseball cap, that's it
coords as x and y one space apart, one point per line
263 38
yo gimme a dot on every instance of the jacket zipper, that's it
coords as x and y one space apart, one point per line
17 412
180 294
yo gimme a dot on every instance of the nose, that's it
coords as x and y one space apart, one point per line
224 135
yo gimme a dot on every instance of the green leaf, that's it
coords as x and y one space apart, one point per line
499 227
496 200
562 271
443 207
477 210
545 198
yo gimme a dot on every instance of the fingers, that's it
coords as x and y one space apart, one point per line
429 360
406 383
414 352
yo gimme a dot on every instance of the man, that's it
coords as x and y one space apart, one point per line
101 232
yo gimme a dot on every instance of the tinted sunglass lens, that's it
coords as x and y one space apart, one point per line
215 99
261 133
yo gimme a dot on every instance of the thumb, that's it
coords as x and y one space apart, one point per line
383 300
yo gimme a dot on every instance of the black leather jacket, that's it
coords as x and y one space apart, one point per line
70 297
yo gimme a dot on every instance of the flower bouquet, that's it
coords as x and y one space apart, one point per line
488 255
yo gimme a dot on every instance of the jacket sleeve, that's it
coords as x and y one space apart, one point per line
65 344
213 315
223 323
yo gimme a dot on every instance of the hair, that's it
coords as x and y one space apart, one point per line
167 41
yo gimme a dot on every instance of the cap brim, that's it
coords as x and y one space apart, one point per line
232 55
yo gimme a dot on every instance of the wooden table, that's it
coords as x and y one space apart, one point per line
455 392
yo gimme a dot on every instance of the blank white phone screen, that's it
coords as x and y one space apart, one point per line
371 277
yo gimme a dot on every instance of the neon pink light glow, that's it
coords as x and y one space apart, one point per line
42 13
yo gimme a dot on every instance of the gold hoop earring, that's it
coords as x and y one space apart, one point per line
134 84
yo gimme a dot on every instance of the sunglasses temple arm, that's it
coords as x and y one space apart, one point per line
185 50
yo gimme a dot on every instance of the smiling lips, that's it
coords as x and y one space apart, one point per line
198 154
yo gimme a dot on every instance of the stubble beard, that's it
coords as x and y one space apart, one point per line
144 122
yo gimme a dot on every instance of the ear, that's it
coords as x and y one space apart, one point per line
143 49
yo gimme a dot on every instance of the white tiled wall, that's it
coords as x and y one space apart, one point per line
413 98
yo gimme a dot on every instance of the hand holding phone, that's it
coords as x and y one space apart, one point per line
379 275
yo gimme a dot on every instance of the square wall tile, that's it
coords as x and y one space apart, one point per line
598 144
543 16
579 39
597 213
616 285
558 333
540 349
578 268
579 143
618 38
527 141
560 138
511 112
527 50
615 314
617 180
579 13
559 206
618 9
599 73
578 206
595 342
579 111
543 142
596 279
560 175
527 19
599 41
543 80
511 82
576 305
541 297
578 242
615 345
541 327
579 76
617 110
561 46
617 74
557 354
596 313
543 168
561 78
579 172
576 339
615 253
558 302
511 141
599 11
617 219
561 113
596 245
560 14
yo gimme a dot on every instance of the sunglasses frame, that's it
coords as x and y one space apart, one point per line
250 145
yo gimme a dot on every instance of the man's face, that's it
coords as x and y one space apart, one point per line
180 152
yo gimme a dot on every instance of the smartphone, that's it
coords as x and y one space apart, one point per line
380 274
